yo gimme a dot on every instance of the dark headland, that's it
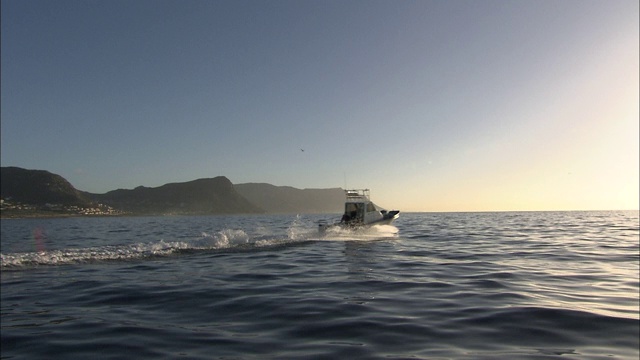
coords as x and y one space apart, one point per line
36 193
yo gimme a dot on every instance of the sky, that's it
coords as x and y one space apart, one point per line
465 105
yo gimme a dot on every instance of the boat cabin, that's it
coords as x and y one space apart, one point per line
359 209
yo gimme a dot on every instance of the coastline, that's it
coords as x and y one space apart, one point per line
41 215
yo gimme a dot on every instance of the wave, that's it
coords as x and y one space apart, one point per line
228 239
375 232
225 239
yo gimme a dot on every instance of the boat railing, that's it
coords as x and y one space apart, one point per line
357 193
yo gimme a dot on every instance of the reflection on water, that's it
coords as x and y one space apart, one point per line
455 286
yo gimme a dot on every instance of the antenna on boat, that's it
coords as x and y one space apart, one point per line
344 173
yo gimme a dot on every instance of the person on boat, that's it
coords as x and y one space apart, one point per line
345 218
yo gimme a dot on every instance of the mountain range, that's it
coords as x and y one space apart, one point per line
42 191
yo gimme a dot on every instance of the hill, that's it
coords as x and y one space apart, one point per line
38 187
41 193
198 197
289 200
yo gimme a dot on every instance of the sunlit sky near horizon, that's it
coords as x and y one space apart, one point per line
433 105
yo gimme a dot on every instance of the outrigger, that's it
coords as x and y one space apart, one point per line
360 211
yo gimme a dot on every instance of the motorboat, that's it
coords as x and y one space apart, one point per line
360 211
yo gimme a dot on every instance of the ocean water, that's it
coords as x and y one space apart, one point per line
511 285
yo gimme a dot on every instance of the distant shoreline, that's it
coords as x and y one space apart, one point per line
42 215
45 215
51 216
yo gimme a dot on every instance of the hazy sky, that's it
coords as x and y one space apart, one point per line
433 105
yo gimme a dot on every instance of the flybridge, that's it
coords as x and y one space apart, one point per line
357 195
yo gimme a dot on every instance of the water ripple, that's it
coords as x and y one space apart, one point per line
445 286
